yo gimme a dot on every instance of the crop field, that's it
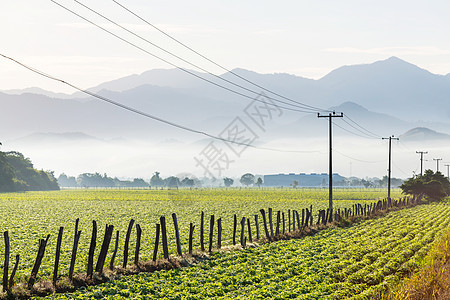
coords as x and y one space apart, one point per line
356 262
30 216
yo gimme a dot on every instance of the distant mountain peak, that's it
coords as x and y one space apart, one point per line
423 134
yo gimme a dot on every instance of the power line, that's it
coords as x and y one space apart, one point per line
178 67
184 60
131 109
213 62
370 132
351 132
360 160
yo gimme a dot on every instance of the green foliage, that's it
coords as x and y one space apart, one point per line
247 179
156 180
18 174
434 185
228 181
359 262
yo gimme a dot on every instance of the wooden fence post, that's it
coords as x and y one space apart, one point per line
263 213
90 266
277 230
289 220
155 250
270 222
162 220
6 264
13 273
284 225
37 263
311 216
242 231
57 255
116 246
202 221
303 217
177 234
234 229
257 227
191 236
127 243
293 220
249 231
219 233
211 232
76 239
138 244
104 249
298 220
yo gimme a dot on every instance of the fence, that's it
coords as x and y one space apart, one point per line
276 225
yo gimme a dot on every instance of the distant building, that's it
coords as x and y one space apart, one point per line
304 180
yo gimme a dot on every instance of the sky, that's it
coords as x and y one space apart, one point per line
305 38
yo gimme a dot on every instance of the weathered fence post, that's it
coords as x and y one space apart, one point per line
116 246
37 263
177 234
311 216
270 222
289 220
284 225
298 220
263 213
219 233
6 264
57 255
138 244
211 232
76 239
191 236
293 220
104 249
155 250
257 227
249 231
234 229
202 221
277 231
127 243
242 231
90 266
13 273
303 217
162 220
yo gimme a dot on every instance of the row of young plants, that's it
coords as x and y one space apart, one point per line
358 262
31 216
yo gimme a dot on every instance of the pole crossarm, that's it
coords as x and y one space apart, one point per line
421 160
437 163
330 117
389 165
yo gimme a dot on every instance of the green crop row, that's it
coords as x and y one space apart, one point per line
31 216
357 262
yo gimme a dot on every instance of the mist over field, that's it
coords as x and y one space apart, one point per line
75 134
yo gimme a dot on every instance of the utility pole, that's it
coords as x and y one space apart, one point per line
389 166
330 117
437 163
421 160
448 173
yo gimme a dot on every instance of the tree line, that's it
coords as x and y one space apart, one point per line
17 174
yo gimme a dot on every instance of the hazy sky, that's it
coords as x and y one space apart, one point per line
306 38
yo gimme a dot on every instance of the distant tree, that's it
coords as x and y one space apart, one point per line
173 182
228 181
156 180
247 179
295 184
187 182
434 185
66 181
259 181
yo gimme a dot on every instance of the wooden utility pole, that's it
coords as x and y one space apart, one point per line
437 163
390 164
421 160
330 117
448 173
